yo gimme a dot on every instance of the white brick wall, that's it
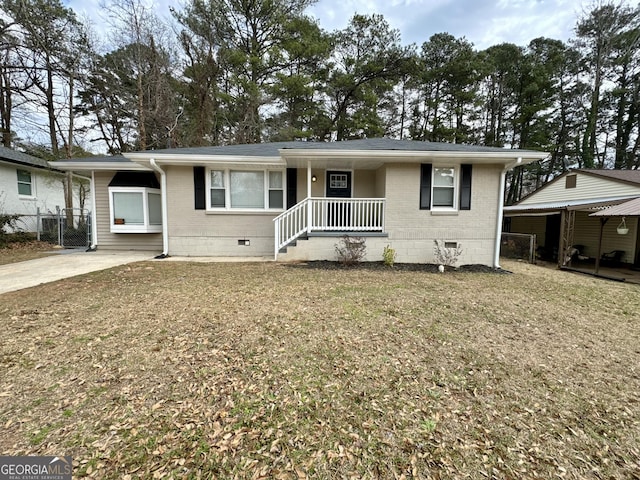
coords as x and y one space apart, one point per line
47 191
411 231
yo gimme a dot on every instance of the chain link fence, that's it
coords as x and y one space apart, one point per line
67 227
521 246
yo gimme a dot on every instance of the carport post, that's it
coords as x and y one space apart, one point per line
603 220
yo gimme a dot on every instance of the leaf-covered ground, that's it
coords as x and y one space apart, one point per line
22 251
185 370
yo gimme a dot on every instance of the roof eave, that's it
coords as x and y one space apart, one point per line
197 159
98 166
406 155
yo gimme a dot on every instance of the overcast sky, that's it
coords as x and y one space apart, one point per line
482 22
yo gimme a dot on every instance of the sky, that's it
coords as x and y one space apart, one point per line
482 22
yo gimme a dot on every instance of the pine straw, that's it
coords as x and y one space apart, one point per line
171 370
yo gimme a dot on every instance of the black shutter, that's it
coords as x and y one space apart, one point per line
292 187
199 188
465 188
425 186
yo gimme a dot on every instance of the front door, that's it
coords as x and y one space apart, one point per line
339 186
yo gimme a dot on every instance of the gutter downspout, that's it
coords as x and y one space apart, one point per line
94 221
503 176
165 216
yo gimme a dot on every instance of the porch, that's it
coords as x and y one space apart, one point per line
626 273
329 215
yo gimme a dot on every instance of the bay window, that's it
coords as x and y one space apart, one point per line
135 203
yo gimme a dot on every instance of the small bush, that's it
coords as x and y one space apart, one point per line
351 250
446 256
389 256
8 225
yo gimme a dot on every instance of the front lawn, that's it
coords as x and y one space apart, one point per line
185 370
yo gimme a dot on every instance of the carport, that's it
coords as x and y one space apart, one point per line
563 225
621 211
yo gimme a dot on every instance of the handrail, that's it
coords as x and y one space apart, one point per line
330 215
290 225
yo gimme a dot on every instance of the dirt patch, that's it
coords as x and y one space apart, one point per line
185 370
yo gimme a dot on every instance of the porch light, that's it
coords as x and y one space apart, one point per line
314 178
622 228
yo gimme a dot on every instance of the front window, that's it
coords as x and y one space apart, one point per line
444 188
25 186
246 189
276 190
217 189
338 180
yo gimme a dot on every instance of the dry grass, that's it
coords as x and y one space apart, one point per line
271 371
23 251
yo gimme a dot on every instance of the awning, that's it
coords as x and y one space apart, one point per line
551 208
629 208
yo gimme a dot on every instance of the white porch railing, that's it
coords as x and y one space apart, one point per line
329 215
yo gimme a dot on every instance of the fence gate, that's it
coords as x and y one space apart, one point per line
68 227
519 245
75 227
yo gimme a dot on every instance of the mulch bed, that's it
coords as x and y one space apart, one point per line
402 267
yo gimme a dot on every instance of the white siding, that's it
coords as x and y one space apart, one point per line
587 187
47 191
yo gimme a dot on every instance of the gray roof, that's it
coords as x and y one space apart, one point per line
582 204
13 156
630 208
628 176
272 149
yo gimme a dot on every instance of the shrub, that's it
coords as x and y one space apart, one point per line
8 225
447 256
389 256
351 250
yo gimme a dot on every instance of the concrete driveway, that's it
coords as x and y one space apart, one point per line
65 264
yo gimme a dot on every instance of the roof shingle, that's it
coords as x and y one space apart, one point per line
631 176
13 156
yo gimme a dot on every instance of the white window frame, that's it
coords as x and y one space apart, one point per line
31 183
227 190
455 188
145 227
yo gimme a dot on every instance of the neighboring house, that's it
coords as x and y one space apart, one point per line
264 199
29 184
559 214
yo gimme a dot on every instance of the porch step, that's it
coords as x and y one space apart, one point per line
293 243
